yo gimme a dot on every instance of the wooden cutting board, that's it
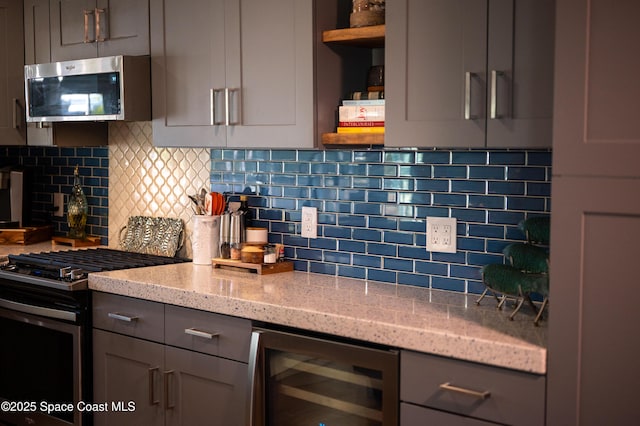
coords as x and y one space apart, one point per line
26 235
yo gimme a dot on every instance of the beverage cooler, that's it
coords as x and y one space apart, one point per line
309 381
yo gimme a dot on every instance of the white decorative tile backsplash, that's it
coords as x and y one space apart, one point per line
148 181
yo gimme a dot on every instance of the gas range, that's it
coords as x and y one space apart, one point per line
68 269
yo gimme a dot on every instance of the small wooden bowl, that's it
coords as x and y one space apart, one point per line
252 254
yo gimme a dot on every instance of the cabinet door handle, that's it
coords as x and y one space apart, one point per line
99 36
152 386
16 119
86 26
226 106
493 114
121 317
467 95
233 100
169 400
213 93
478 394
199 333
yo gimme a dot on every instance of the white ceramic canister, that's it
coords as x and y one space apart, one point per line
205 240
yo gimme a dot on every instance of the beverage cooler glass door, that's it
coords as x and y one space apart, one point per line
311 381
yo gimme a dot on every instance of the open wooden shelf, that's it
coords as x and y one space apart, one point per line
353 139
372 36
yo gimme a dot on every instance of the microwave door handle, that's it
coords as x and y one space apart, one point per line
99 36
86 26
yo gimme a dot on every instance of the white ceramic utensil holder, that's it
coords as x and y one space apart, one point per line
205 240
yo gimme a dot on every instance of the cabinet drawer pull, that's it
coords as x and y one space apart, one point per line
152 386
478 394
121 317
467 95
199 333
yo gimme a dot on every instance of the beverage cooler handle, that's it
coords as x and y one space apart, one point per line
256 373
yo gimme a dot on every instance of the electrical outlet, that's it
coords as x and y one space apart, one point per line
58 204
309 222
441 234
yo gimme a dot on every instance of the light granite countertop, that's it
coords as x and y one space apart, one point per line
431 321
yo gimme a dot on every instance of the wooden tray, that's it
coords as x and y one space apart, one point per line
74 242
26 235
256 268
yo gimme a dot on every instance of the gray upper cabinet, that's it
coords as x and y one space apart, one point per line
12 107
93 28
469 73
235 73
37 32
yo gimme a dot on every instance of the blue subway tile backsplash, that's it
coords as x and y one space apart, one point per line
372 207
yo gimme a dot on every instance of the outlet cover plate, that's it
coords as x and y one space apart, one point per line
309 222
441 234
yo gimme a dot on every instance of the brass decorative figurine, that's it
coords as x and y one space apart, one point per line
77 209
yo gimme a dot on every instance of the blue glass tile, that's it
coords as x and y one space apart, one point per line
398 265
337 207
299 265
468 215
100 152
367 208
283 203
472 244
525 203
215 154
458 257
469 157
91 162
415 280
376 222
437 185
258 154
352 246
460 271
295 191
352 195
295 241
353 169
397 238
382 197
401 184
450 200
541 189
245 166
481 259
309 180
381 275
327 218
324 168
486 231
367 261
399 157
310 155
367 156
236 177
497 246
367 183
487 172
506 188
322 268
469 186
507 158
323 243
338 181
487 201
413 225
100 192
308 203
415 171
433 157
337 257
382 170
338 156
527 173
255 178
352 220
507 218
324 194
283 155
100 172
432 268
367 235
382 249
337 232
302 168
233 154
398 210
514 233
451 284
413 252
475 287
352 272
449 171
270 167
414 198
535 158
271 215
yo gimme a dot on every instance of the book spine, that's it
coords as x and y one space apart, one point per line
361 113
351 102
361 124
366 95
376 129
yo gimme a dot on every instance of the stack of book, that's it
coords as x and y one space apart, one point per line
362 113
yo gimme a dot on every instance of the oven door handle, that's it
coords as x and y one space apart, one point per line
39 310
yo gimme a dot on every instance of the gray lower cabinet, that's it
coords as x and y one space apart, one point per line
233 73
12 106
94 28
469 73
178 366
437 390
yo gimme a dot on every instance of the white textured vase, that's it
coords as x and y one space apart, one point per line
205 240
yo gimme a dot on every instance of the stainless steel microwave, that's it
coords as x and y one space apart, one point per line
96 89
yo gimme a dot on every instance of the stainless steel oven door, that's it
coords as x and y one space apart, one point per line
40 374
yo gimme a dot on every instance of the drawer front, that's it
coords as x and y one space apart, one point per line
209 333
130 316
514 398
412 415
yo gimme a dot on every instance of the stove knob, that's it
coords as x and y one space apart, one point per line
64 272
76 274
